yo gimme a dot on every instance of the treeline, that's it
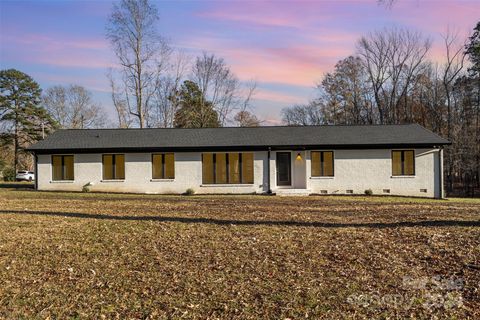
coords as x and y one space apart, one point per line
153 86
23 120
158 86
27 115
390 80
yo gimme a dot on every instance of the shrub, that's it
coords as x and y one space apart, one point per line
9 174
368 192
189 192
86 187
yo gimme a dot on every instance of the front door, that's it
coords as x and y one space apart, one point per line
284 169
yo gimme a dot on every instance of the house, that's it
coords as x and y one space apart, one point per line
387 159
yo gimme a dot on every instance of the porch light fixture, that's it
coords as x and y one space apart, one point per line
299 156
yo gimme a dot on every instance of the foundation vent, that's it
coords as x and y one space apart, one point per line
350 191
423 190
386 190
323 191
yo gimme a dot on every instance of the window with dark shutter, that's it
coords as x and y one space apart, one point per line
403 163
322 163
227 168
62 167
163 166
113 166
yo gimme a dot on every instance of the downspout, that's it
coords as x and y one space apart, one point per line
269 190
440 172
36 170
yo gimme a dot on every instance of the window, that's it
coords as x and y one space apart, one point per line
62 168
322 163
247 168
403 163
227 168
208 169
163 166
113 166
220 162
234 168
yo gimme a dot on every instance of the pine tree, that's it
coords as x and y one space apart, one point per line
473 51
194 111
23 120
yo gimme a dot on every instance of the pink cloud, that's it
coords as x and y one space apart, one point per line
292 43
252 19
296 64
433 17
278 97
55 51
318 41
98 83
250 14
56 43
299 56
297 14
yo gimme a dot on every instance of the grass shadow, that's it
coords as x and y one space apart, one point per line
17 185
222 222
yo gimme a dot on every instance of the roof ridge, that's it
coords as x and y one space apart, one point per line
259 127
430 131
292 136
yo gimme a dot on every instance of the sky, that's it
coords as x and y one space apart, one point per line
285 46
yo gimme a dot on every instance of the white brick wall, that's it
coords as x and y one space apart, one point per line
138 175
359 170
355 170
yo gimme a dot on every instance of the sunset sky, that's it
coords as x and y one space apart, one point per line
285 46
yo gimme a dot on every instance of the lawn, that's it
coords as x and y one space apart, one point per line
74 255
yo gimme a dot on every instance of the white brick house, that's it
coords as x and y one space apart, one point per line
392 159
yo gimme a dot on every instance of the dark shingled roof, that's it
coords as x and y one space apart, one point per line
260 138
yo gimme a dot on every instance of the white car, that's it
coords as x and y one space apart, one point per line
25 176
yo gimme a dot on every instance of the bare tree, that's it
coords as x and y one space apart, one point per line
73 107
141 52
218 84
346 94
124 119
165 101
428 99
245 116
303 115
246 119
393 58
453 65
401 85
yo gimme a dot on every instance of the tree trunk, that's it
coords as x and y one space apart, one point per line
15 139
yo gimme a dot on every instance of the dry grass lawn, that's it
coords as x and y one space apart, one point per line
72 255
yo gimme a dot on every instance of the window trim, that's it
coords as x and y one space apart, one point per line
227 163
164 167
402 159
114 160
321 167
62 156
